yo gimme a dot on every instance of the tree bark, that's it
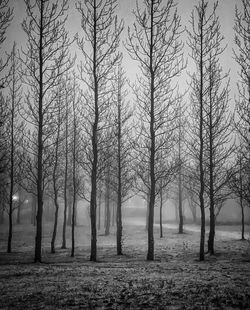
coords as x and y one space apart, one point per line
211 175
201 193
11 160
180 204
55 186
65 196
150 254
107 202
99 210
38 240
161 205
69 203
119 189
74 176
241 203
94 145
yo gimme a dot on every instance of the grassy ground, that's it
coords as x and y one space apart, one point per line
175 280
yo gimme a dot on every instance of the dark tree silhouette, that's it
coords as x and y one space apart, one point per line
155 44
124 176
242 117
45 55
102 33
15 133
201 40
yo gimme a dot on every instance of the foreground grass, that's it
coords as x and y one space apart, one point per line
175 280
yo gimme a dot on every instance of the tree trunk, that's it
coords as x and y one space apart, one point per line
99 210
150 254
147 211
107 203
74 176
55 225
65 196
242 220
119 179
211 177
39 216
73 227
11 165
201 193
180 205
241 203
70 202
94 144
55 176
10 226
161 204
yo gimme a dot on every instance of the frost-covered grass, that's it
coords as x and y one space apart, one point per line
175 280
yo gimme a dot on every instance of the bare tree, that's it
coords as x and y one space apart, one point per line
56 142
75 158
124 176
46 54
242 57
239 184
204 30
102 32
217 125
66 129
155 44
6 15
15 130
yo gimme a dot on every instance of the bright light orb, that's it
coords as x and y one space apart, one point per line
15 198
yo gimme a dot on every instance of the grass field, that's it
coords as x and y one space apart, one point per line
175 280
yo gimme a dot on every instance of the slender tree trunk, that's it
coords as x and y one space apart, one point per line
107 202
55 186
180 204
94 145
241 204
201 193
180 175
65 196
11 161
70 202
161 205
76 214
73 226
119 189
150 254
211 177
39 216
74 177
242 219
99 210
147 211
55 223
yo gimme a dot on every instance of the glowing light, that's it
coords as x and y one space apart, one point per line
15 198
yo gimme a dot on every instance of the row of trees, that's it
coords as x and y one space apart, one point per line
62 137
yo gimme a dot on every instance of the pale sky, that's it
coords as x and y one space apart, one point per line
125 7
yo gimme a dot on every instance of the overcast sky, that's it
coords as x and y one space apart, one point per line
125 7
